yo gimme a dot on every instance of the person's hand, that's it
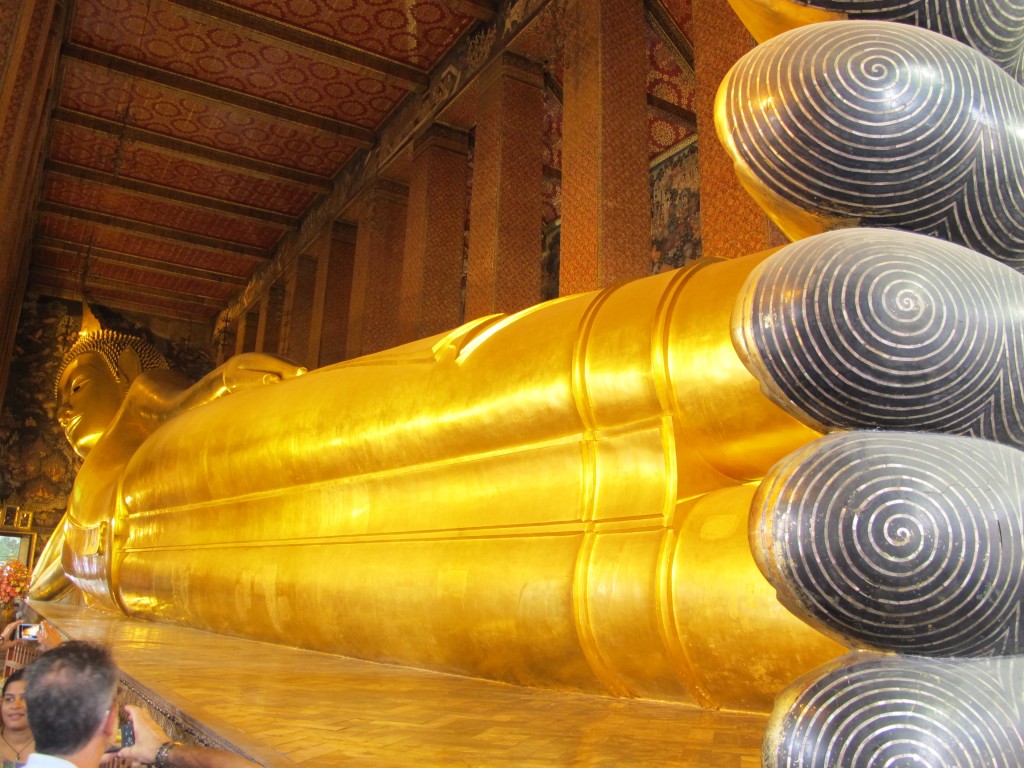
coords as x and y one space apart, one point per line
148 736
48 637
112 760
8 633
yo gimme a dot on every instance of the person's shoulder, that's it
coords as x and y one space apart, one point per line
38 760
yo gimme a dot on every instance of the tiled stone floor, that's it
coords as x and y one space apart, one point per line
286 707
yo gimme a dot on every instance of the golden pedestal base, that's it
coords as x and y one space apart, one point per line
286 707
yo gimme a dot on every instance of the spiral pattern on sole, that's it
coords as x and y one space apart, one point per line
883 125
878 712
992 27
887 329
911 543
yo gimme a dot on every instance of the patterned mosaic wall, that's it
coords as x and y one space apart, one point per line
675 219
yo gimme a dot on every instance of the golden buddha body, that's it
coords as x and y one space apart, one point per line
388 516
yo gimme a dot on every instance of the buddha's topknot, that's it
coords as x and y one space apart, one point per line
110 345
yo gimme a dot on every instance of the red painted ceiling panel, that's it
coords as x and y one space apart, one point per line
410 31
162 35
132 160
145 246
169 112
98 198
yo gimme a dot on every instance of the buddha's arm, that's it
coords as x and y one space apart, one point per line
159 395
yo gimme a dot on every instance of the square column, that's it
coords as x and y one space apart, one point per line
268 332
225 345
245 336
606 229
338 293
435 235
296 318
505 209
377 270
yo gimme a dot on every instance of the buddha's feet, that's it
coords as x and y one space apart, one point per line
869 329
904 542
910 543
878 124
993 27
873 711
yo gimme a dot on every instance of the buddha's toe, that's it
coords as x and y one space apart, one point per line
870 711
899 541
878 124
886 329
992 27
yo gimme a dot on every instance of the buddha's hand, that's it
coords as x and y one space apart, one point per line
246 371
255 369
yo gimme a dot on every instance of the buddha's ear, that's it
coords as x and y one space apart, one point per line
128 366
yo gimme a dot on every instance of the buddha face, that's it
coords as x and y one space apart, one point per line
88 398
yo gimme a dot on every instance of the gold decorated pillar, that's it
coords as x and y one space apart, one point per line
732 224
435 235
505 211
606 232
377 271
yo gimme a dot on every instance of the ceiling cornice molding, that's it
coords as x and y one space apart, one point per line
68 285
484 10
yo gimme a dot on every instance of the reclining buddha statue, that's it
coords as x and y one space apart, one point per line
633 491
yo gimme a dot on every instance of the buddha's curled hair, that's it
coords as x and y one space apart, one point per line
110 344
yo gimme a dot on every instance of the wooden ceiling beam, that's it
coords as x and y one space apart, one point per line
130 225
553 86
164 192
353 134
670 33
170 269
346 56
483 10
190 150
674 111
120 295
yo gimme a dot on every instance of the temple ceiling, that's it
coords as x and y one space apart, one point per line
195 147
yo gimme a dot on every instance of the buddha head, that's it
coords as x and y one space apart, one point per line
93 379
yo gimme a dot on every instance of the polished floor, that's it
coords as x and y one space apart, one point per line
286 707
